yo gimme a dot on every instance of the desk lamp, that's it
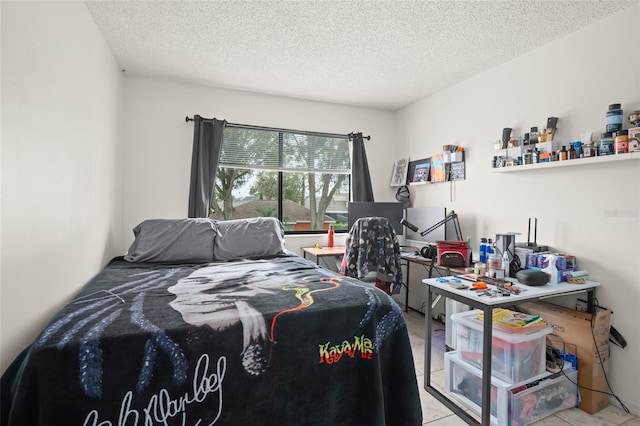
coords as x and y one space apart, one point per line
429 251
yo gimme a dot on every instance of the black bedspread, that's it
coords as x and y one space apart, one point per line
256 342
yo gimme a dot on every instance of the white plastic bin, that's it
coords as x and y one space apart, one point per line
452 307
515 357
529 404
463 382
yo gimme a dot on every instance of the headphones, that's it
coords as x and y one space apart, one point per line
403 195
429 251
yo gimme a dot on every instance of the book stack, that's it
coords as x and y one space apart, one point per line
515 322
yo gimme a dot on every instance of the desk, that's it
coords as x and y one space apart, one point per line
411 257
487 304
323 252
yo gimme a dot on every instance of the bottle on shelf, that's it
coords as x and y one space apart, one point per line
535 156
572 153
606 144
330 236
614 118
621 142
534 135
563 154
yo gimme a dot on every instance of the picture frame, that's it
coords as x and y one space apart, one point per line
421 172
438 171
456 171
424 171
399 174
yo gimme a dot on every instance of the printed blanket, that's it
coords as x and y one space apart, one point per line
276 341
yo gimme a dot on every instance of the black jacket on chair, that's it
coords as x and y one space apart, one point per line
372 245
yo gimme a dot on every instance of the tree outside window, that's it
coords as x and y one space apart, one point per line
303 179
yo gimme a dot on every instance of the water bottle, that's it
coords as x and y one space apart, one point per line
505 263
483 250
551 269
490 249
330 236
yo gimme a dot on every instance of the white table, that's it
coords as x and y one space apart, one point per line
486 304
432 267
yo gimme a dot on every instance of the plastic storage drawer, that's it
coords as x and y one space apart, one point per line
529 404
463 382
515 357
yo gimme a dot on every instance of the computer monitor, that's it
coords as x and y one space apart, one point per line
423 218
393 211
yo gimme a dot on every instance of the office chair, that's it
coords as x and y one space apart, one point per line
372 254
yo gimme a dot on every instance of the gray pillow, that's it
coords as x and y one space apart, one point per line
173 241
242 238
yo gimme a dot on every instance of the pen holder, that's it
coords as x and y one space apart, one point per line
457 157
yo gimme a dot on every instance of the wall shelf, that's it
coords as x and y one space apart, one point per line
577 162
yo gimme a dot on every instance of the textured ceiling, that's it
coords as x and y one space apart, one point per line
380 54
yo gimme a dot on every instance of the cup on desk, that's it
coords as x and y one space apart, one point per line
479 268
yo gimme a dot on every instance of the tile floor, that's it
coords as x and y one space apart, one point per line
435 414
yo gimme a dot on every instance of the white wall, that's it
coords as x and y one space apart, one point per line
590 211
61 103
158 142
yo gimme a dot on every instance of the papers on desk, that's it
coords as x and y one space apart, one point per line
515 322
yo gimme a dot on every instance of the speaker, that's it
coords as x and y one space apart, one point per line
532 277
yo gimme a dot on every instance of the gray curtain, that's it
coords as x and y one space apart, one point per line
207 140
362 190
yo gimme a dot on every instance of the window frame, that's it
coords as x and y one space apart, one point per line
280 173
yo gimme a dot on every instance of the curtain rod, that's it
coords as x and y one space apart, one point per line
350 135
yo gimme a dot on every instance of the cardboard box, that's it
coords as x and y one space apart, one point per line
587 332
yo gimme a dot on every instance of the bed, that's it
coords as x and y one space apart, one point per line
208 322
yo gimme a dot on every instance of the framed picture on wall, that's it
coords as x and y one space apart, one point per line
399 174
438 172
421 172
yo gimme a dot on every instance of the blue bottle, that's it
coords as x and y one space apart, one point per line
490 249
483 250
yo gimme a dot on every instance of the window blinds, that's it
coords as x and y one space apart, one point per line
285 151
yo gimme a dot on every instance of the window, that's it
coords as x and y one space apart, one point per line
302 178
